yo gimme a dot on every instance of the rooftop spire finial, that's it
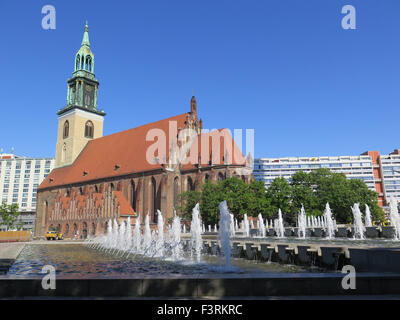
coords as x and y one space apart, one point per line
85 40
193 105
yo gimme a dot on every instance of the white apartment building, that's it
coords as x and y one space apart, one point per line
390 166
354 167
19 180
381 173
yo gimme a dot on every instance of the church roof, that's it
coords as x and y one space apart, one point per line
114 155
124 153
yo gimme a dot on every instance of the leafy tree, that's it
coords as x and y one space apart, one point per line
320 186
302 193
9 215
241 198
188 200
211 196
258 202
313 190
280 197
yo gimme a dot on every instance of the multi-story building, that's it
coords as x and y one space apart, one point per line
19 180
386 174
381 173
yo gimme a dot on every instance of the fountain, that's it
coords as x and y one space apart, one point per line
159 248
394 217
357 222
168 245
147 235
232 225
225 223
330 228
246 227
368 222
137 236
301 223
280 231
176 244
261 226
128 234
196 241
121 236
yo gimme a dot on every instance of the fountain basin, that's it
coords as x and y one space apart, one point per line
270 232
319 232
388 232
372 232
288 232
342 232
205 286
375 259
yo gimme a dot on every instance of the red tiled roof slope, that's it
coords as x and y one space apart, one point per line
126 149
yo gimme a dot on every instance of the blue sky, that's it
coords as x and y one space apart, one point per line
285 68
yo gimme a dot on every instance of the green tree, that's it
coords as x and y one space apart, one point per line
241 198
211 196
9 215
237 195
188 200
258 202
302 193
280 197
313 190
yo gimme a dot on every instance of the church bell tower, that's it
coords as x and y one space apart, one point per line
80 120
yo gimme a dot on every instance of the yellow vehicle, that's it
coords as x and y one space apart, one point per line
387 223
54 234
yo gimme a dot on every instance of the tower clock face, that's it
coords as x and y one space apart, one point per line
89 92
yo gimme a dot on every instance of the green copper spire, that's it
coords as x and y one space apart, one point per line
83 86
84 59
85 40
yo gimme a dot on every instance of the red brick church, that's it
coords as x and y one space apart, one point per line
129 173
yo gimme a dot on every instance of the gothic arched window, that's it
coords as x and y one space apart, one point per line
89 129
190 185
78 58
66 129
133 195
88 63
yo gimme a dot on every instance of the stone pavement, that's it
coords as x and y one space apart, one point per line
8 253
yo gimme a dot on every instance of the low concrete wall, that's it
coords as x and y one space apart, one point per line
217 286
375 259
14 236
329 256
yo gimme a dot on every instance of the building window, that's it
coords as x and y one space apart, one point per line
66 129
89 129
